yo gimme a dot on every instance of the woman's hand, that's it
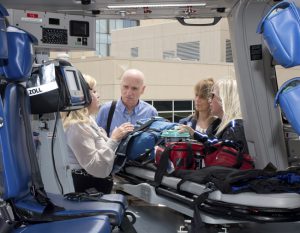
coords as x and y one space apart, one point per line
121 131
186 128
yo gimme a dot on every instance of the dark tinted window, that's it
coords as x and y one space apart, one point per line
167 115
163 105
182 105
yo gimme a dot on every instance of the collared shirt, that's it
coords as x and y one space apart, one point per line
141 111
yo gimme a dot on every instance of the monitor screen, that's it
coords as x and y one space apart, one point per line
79 28
72 80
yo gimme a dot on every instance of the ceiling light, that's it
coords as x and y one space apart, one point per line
155 5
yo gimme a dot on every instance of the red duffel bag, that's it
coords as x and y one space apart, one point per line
191 155
223 154
183 155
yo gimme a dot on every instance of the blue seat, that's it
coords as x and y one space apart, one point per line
95 224
17 166
18 176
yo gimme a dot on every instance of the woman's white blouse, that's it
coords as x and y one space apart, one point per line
91 148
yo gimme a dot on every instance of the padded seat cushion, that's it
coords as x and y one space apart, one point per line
114 211
95 224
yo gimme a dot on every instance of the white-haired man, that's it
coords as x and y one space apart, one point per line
129 107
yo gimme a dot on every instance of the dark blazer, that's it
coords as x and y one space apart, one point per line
234 132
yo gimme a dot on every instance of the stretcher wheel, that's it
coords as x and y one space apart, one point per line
131 217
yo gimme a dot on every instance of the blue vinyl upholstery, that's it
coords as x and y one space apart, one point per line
112 210
16 164
16 167
96 224
3 36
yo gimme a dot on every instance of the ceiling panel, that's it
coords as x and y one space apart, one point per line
129 9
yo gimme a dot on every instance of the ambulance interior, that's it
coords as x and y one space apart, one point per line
70 25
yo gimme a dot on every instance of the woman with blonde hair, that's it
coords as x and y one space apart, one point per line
202 118
89 147
225 104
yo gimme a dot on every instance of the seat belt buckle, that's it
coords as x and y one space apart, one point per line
210 187
33 190
6 212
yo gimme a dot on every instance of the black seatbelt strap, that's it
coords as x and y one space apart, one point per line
76 196
35 171
110 116
126 225
196 221
37 187
3 137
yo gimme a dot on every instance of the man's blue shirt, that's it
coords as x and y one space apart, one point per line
143 110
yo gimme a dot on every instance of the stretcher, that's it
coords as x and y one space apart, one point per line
217 208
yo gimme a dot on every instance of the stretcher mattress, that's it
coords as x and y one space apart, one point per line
282 200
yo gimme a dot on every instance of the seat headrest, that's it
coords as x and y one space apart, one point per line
17 67
3 11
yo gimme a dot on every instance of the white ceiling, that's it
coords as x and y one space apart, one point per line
183 9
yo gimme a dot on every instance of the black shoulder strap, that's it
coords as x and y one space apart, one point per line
145 126
110 116
163 166
37 186
35 171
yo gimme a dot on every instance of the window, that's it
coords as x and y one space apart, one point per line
189 51
130 23
135 52
119 24
103 39
103 30
173 110
182 105
112 25
168 54
103 27
228 51
97 26
103 50
163 105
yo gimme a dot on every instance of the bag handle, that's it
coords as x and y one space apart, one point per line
122 148
284 85
280 5
145 125
163 165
